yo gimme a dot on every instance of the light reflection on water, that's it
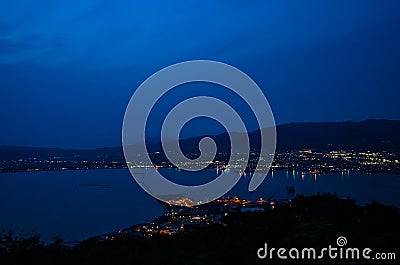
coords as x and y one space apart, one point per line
52 203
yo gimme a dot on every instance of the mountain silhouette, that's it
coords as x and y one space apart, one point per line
321 136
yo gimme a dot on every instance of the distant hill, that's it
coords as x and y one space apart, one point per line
365 135
368 134
21 152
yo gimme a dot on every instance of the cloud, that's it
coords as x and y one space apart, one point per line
29 48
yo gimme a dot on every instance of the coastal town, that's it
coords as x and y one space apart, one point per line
307 161
181 219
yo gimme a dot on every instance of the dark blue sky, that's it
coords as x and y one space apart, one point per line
67 70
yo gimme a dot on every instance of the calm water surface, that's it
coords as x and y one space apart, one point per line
53 203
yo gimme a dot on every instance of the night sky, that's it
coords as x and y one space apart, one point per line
68 70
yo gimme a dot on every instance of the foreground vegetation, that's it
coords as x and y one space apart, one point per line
315 221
